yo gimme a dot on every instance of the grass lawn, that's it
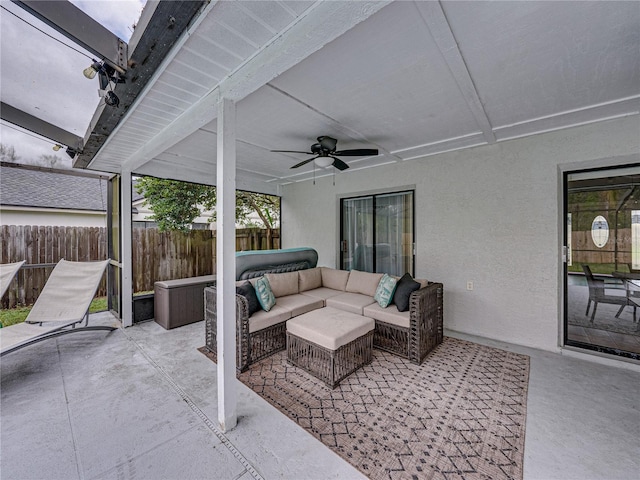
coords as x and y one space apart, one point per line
17 315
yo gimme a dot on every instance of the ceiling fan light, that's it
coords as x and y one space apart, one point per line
324 162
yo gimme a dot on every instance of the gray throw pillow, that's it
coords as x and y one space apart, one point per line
248 292
404 288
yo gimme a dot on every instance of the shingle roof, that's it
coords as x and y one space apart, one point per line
27 187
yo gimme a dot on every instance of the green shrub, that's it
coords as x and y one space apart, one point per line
12 316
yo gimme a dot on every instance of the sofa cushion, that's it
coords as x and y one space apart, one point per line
330 328
262 319
309 279
248 292
298 304
336 279
386 289
363 282
350 302
322 293
283 283
389 314
406 286
265 295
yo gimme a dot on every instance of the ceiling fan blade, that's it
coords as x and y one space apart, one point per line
358 152
291 151
304 162
328 143
339 164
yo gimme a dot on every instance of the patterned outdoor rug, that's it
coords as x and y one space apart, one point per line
461 414
609 324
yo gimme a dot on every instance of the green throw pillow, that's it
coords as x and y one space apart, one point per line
385 290
265 295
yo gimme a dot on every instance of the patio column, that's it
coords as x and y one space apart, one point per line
226 264
126 258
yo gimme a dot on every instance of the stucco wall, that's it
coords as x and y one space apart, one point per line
45 218
490 214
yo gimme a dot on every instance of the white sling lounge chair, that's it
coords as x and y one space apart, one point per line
63 303
7 272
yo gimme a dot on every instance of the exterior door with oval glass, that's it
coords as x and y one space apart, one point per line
602 264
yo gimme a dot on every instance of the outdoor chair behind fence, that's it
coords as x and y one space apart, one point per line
597 286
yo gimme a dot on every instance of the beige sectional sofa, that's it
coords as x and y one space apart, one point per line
411 334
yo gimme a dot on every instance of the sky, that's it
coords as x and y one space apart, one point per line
44 78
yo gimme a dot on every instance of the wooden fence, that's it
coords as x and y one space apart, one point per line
583 250
156 255
42 248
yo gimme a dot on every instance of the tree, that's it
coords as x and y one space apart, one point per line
176 204
8 153
49 160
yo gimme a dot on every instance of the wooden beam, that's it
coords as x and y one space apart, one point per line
318 26
76 25
197 116
167 22
438 25
39 126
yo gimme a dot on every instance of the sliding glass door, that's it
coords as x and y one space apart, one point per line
602 264
377 233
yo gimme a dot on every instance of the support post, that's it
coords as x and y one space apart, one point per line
126 256
226 264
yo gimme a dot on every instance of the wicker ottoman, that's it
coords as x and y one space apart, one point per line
329 343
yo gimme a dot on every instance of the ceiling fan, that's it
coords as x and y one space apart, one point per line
325 153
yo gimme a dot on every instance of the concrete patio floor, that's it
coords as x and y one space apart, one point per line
141 403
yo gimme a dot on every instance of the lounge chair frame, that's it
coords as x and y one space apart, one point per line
44 323
7 272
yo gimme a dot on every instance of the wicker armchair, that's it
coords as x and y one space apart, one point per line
251 347
425 329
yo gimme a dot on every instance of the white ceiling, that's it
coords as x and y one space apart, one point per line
410 78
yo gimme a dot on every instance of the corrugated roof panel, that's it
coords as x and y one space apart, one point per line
269 14
217 33
143 119
182 81
235 18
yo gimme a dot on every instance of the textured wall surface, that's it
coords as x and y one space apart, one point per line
489 214
53 218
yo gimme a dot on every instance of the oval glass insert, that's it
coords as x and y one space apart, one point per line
600 231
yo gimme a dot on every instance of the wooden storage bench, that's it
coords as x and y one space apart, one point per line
180 302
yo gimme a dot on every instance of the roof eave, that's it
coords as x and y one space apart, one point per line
161 24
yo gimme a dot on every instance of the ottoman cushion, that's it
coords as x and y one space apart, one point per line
329 327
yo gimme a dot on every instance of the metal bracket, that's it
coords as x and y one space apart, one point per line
76 25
